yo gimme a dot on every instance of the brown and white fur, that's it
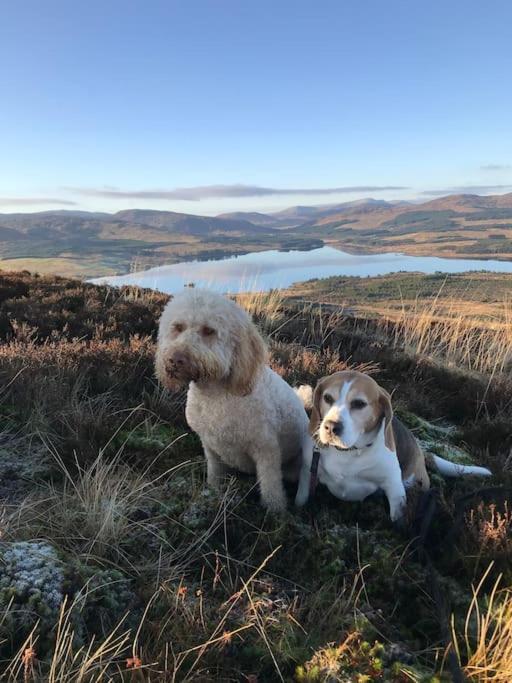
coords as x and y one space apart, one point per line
247 417
363 447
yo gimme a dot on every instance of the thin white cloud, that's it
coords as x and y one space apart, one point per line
35 201
223 191
467 189
496 167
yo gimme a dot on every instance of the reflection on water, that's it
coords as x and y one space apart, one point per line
275 269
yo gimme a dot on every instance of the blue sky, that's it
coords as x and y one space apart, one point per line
116 104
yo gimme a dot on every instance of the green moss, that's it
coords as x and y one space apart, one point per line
357 660
435 439
448 451
423 429
176 443
101 599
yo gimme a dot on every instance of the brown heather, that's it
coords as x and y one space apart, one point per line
97 460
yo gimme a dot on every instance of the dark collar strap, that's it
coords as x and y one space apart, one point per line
313 480
353 448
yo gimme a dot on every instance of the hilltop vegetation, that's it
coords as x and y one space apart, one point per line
463 318
475 291
104 504
79 243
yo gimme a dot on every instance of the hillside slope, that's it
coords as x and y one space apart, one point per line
453 226
91 244
96 244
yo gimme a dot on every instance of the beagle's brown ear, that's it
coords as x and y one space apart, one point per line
387 415
249 355
316 416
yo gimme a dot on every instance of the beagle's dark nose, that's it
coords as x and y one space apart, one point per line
333 427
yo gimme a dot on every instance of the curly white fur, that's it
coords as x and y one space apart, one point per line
247 417
305 393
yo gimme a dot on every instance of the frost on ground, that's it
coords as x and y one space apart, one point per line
31 587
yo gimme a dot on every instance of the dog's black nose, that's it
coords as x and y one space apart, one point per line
178 359
333 427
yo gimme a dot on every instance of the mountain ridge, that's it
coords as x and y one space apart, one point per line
99 243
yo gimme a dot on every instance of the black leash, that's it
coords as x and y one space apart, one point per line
424 518
313 470
425 514
429 504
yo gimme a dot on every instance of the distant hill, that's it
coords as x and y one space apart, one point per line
94 244
89 244
187 224
452 226
301 214
464 202
59 222
381 211
263 219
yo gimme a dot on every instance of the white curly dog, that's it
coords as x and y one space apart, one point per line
246 416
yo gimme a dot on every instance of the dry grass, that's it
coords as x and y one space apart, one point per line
187 629
487 637
490 529
265 307
98 661
459 336
463 321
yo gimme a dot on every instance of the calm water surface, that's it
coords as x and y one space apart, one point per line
275 269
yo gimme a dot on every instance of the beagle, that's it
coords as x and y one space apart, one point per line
358 446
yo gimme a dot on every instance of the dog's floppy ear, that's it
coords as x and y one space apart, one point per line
387 415
248 356
316 417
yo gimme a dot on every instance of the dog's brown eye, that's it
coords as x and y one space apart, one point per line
178 327
358 404
328 399
207 331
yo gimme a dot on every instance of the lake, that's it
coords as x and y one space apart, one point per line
276 269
